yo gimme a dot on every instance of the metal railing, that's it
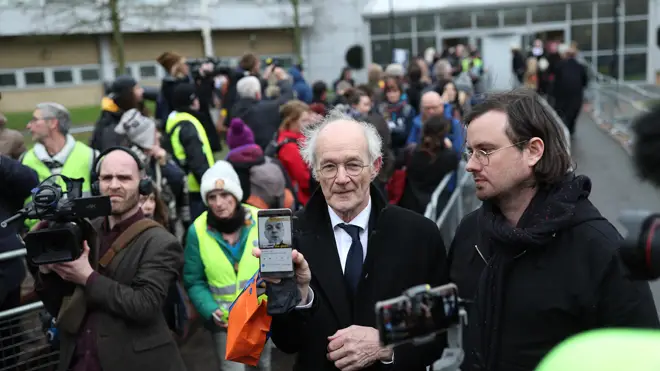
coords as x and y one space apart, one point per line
614 104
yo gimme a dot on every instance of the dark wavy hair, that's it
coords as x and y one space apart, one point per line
434 132
529 117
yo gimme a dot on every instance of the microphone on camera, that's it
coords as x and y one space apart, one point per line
646 149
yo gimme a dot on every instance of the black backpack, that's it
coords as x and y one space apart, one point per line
273 147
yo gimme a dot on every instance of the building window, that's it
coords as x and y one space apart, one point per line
8 80
425 22
148 72
405 43
634 67
637 7
403 24
582 10
380 26
606 8
636 33
582 35
605 65
606 37
515 17
453 21
63 77
35 78
549 13
488 19
90 74
381 52
127 71
424 43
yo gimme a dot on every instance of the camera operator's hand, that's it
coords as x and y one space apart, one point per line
357 347
303 274
268 71
77 271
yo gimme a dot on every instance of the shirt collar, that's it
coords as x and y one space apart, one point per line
361 220
61 156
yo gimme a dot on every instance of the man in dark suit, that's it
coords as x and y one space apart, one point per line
109 309
353 249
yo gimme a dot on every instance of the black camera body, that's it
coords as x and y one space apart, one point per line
62 239
219 67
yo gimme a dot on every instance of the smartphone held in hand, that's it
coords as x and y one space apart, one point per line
275 242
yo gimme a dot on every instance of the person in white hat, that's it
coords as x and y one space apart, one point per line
218 255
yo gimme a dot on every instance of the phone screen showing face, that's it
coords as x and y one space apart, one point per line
275 242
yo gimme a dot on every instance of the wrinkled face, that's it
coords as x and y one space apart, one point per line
148 205
119 178
432 105
343 167
40 126
364 106
222 204
497 165
274 231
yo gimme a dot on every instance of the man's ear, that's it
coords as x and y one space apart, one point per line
535 147
376 167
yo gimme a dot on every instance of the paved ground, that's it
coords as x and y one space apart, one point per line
615 186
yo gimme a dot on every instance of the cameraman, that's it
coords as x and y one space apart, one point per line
17 181
109 316
179 72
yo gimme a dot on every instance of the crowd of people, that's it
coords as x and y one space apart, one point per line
358 164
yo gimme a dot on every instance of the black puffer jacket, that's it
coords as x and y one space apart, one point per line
17 182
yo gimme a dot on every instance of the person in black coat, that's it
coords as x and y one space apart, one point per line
571 79
353 250
536 262
17 182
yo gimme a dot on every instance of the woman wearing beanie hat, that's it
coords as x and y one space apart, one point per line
218 255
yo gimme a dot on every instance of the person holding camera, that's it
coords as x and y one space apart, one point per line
179 72
109 301
17 182
348 243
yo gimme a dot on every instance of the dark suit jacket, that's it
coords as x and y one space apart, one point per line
132 334
404 250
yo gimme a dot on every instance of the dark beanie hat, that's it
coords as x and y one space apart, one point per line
183 96
122 85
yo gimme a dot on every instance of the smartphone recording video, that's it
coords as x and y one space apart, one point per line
275 242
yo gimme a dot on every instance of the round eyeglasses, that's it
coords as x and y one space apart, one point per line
351 168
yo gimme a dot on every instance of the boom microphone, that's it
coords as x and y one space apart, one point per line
646 149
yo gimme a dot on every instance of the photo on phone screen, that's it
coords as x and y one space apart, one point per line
275 235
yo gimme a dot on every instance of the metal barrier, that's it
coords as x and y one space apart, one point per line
614 104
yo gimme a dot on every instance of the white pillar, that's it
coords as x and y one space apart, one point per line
207 38
105 58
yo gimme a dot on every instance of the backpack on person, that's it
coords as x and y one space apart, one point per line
273 148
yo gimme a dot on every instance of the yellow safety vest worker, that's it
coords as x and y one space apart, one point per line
173 130
224 282
78 165
469 63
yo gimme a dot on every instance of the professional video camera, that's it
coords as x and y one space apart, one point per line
219 67
419 315
62 239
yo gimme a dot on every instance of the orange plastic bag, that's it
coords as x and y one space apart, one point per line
249 325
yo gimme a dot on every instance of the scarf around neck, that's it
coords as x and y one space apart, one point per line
550 211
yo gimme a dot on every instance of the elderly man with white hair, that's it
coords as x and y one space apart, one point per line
260 114
353 250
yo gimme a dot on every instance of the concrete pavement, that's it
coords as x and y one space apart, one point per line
615 185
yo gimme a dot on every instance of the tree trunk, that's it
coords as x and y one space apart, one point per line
297 32
117 36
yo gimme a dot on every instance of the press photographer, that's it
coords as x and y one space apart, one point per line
179 71
108 302
353 250
17 181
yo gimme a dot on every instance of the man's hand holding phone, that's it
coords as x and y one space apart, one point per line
302 273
